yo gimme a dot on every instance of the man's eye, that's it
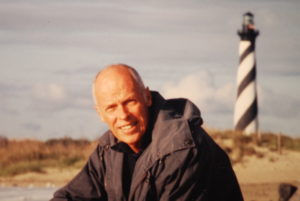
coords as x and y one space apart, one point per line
110 109
130 101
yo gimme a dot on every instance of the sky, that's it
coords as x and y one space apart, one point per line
51 50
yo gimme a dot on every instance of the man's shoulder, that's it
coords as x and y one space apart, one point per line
105 139
176 108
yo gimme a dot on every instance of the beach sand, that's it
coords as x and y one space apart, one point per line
260 176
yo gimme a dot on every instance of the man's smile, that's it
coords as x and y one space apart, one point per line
128 127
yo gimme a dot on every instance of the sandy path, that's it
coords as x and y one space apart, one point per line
272 167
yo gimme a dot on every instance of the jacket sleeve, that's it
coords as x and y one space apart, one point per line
203 173
88 185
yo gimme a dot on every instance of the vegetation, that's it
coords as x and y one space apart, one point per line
21 156
238 145
27 155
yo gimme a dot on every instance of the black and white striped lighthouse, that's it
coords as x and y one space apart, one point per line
246 109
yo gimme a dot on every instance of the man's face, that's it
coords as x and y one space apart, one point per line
123 106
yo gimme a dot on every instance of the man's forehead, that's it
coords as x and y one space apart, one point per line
112 98
114 85
109 90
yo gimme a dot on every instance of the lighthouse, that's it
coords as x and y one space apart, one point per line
246 109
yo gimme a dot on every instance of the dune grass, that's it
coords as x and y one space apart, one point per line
22 156
28 155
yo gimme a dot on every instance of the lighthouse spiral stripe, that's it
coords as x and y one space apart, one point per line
245 117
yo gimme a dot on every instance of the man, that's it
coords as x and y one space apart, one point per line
155 148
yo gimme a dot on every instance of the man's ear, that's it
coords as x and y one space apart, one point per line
148 97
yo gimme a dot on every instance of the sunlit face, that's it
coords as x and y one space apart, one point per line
123 106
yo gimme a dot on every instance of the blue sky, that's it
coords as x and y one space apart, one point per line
51 50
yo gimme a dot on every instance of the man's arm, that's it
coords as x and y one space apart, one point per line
88 185
202 173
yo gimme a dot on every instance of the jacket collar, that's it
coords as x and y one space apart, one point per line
171 128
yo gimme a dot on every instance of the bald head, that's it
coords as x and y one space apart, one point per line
116 72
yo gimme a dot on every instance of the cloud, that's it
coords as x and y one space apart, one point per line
51 92
277 104
200 88
11 89
278 111
32 127
47 98
53 97
11 96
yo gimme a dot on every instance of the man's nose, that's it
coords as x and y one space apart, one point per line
123 112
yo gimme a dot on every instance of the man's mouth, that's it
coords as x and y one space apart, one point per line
128 126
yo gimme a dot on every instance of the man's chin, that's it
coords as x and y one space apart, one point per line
131 138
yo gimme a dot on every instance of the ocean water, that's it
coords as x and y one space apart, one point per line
26 194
